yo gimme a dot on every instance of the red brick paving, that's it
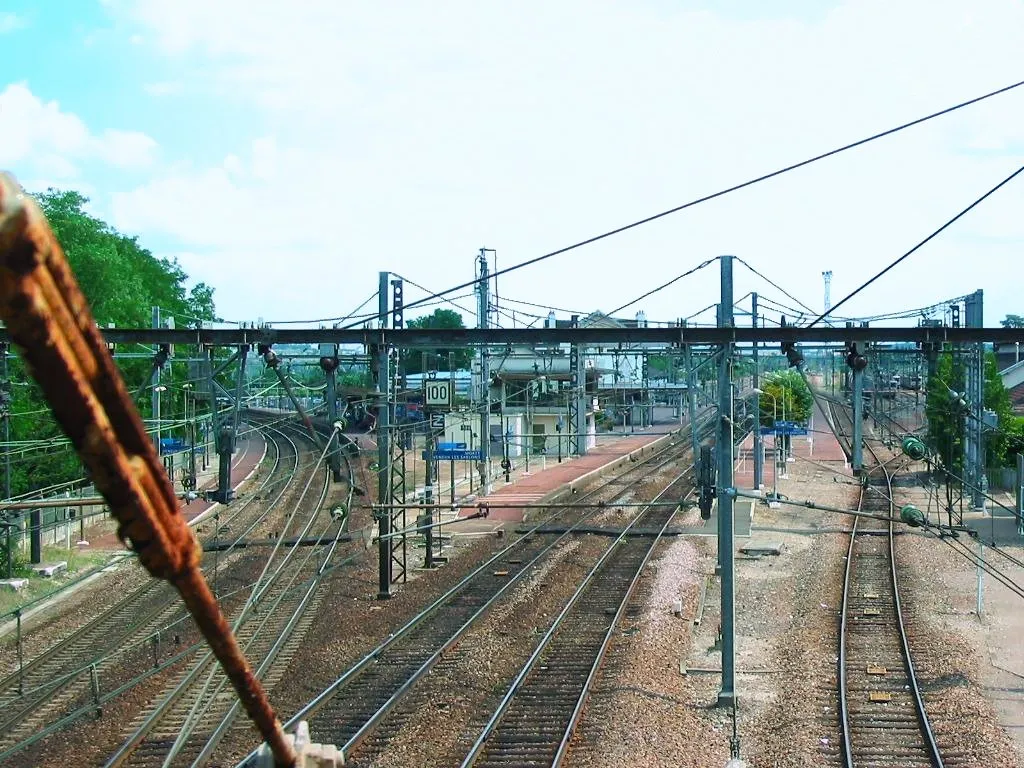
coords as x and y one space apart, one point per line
251 453
819 445
530 489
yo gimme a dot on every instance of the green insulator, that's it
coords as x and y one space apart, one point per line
914 448
912 516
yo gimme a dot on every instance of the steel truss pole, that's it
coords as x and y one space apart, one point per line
397 447
483 321
383 450
691 398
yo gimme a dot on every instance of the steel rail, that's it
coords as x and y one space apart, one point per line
531 663
197 711
353 741
136 610
312 708
928 741
164 708
286 633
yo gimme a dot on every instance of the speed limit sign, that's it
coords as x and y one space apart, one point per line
437 393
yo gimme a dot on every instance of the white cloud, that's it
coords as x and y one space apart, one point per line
406 136
163 88
38 137
11 22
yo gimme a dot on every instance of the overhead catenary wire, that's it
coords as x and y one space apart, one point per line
677 278
920 245
774 285
720 193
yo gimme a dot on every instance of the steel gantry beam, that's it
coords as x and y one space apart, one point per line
455 337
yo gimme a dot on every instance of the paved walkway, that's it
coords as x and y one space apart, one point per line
250 453
537 486
819 445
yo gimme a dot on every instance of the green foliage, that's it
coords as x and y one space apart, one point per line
416 360
785 388
945 425
946 420
1012 321
122 282
1003 444
121 279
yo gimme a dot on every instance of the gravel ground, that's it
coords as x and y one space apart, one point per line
352 622
90 741
645 711
958 657
468 683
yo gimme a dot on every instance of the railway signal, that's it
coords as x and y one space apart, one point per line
705 481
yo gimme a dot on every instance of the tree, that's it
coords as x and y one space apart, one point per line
437 359
1012 321
785 388
122 282
945 424
947 418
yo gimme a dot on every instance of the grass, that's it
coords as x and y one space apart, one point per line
40 586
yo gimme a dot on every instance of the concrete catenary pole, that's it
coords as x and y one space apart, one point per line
726 532
758 439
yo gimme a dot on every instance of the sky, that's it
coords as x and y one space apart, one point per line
286 153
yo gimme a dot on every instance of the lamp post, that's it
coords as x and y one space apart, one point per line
775 413
158 390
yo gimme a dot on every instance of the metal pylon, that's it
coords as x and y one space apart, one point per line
396 479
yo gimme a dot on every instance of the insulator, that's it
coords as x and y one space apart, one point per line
914 448
912 516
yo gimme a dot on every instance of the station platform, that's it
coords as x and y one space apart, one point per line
546 485
251 451
818 445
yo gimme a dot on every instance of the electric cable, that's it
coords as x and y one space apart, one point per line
723 192
921 244
661 287
349 316
774 285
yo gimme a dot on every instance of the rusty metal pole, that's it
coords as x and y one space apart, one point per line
49 319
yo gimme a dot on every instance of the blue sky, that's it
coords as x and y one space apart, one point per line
285 153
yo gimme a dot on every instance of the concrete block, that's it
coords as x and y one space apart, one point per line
52 569
763 548
13 585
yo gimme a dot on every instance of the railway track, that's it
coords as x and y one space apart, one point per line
882 715
356 704
198 707
535 720
64 678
